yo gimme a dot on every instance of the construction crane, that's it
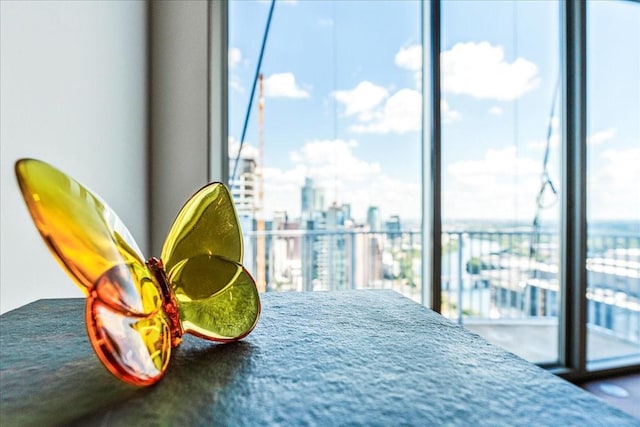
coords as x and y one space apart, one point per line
261 281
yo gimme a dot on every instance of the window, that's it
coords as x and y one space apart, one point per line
328 180
501 172
613 156
531 140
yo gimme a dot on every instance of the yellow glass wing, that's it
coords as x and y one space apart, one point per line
217 298
206 224
83 233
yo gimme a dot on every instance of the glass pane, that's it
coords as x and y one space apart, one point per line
613 174
501 173
328 180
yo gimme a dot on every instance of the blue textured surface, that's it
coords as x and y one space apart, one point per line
356 357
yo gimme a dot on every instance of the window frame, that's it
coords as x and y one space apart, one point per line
573 275
572 345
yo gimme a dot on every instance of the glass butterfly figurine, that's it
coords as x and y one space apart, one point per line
136 311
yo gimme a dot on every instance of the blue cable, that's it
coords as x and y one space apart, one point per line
253 90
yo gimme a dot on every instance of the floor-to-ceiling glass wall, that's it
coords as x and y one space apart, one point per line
328 180
613 179
500 172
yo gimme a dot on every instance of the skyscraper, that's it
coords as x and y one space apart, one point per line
244 187
312 200
373 219
244 192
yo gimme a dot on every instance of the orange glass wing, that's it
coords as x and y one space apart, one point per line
126 324
134 347
217 298
83 233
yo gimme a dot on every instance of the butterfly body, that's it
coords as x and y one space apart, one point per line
136 310
168 300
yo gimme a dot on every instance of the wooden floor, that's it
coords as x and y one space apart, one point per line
622 392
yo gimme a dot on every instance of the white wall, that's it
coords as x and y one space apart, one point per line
73 89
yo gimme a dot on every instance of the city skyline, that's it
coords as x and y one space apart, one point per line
348 115
312 204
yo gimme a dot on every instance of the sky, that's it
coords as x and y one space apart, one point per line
342 105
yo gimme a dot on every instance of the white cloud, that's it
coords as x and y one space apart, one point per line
480 70
282 190
448 115
401 198
613 185
554 141
283 85
495 163
235 57
599 137
541 144
248 150
362 99
501 185
401 113
595 138
496 111
234 83
344 178
409 58
327 160
379 112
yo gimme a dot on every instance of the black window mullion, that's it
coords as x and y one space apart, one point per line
573 275
431 161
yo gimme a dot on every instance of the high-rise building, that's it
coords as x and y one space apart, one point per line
373 219
338 244
244 192
392 227
244 187
367 269
284 255
346 208
312 200
325 249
